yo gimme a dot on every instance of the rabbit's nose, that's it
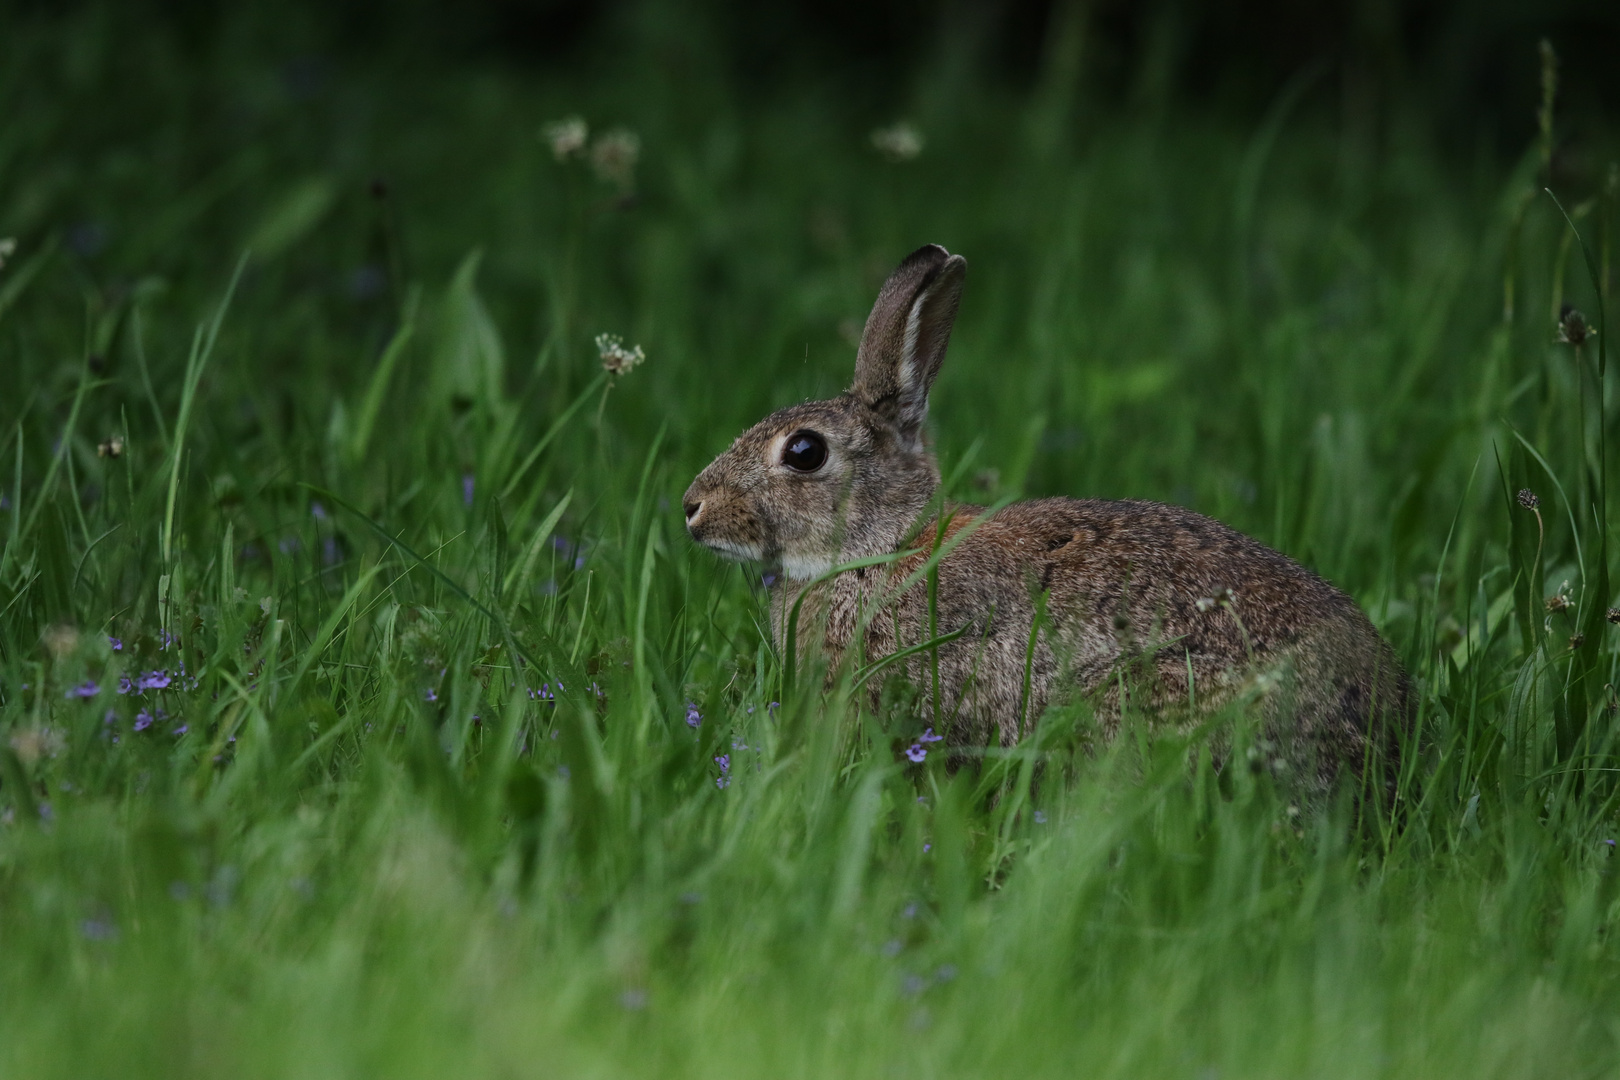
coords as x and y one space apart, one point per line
693 509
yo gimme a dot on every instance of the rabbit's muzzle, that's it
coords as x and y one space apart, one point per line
721 520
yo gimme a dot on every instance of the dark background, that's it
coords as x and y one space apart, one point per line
1465 65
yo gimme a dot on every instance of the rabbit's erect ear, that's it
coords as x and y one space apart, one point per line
906 334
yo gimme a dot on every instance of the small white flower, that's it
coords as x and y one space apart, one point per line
566 137
614 156
898 142
616 359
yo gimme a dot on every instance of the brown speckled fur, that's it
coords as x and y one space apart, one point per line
1123 579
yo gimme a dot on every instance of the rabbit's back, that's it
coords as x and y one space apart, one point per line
1186 609
1154 571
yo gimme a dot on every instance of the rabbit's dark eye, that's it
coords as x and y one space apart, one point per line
804 451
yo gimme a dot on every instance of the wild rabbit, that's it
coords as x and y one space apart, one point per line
1153 601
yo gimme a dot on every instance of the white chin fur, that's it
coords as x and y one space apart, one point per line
805 567
738 552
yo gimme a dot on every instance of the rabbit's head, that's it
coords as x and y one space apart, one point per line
828 481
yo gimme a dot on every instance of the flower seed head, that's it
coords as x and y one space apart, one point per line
898 142
566 137
1572 328
1613 615
1576 641
616 359
614 156
1528 499
111 447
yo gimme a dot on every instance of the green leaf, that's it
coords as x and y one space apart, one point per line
469 364
293 216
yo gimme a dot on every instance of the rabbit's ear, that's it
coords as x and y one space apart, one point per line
904 342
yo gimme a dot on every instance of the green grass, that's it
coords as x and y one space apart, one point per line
372 852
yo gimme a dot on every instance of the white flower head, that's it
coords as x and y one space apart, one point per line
614 156
616 359
899 141
566 137
1223 597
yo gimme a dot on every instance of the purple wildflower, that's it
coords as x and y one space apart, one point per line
143 720
1040 817
928 736
153 680
723 781
124 685
117 645
166 639
693 717
467 483
767 579
430 694
288 544
317 511
916 752
86 689
181 730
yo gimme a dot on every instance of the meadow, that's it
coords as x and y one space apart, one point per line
367 711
